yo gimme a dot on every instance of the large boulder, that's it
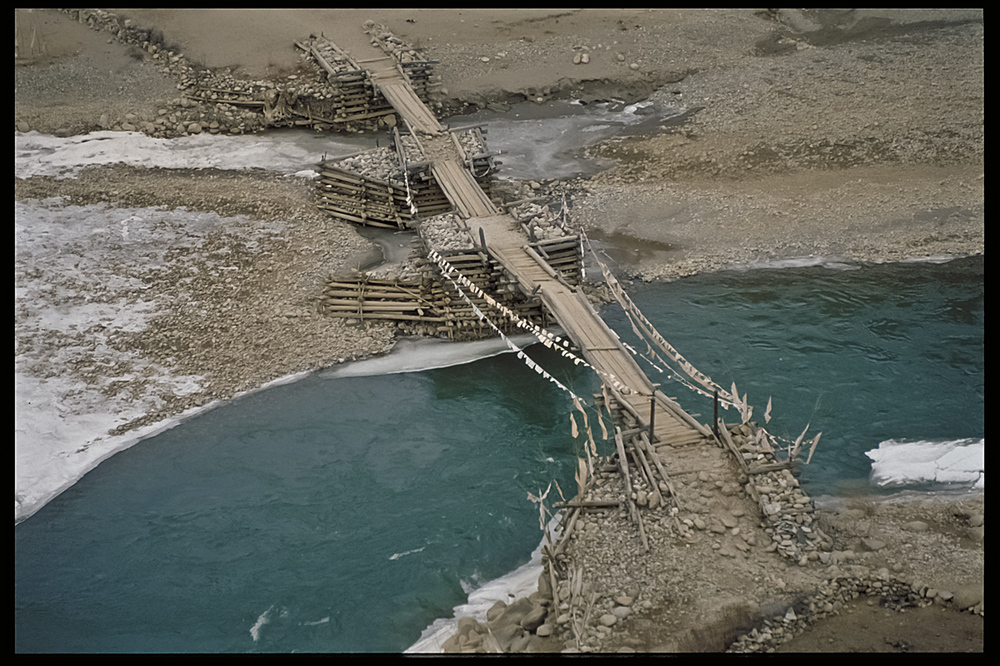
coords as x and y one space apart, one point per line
468 624
534 618
968 596
496 610
509 635
514 613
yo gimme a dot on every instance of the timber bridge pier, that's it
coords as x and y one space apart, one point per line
487 268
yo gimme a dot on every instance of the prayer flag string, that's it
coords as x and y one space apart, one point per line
639 321
548 339
726 398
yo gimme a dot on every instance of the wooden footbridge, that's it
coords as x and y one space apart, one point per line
521 267
501 236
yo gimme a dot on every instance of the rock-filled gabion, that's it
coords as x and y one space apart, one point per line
381 35
332 56
380 163
472 142
787 510
445 234
410 148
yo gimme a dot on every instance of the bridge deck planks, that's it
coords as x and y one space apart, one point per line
599 345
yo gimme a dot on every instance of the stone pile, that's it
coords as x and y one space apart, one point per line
543 223
893 593
786 509
380 163
789 515
445 234
534 624
381 36
125 31
524 625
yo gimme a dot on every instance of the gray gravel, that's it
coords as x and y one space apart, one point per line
869 150
235 301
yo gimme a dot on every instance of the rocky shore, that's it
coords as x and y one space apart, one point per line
807 135
723 575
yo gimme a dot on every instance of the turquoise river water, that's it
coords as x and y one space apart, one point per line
347 514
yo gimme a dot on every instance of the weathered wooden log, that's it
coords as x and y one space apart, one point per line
362 220
728 441
659 466
374 306
564 537
588 504
649 473
768 467
642 530
541 262
682 415
379 315
623 469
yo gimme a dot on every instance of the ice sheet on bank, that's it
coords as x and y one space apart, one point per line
77 285
45 155
419 354
901 463
57 441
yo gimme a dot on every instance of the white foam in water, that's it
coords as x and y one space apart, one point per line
833 262
263 619
396 556
519 583
960 461
417 355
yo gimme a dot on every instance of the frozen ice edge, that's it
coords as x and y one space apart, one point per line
30 503
410 356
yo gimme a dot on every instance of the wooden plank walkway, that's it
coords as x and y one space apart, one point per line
462 190
598 344
399 93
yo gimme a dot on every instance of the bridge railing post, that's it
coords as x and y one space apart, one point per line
715 419
652 413
652 416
